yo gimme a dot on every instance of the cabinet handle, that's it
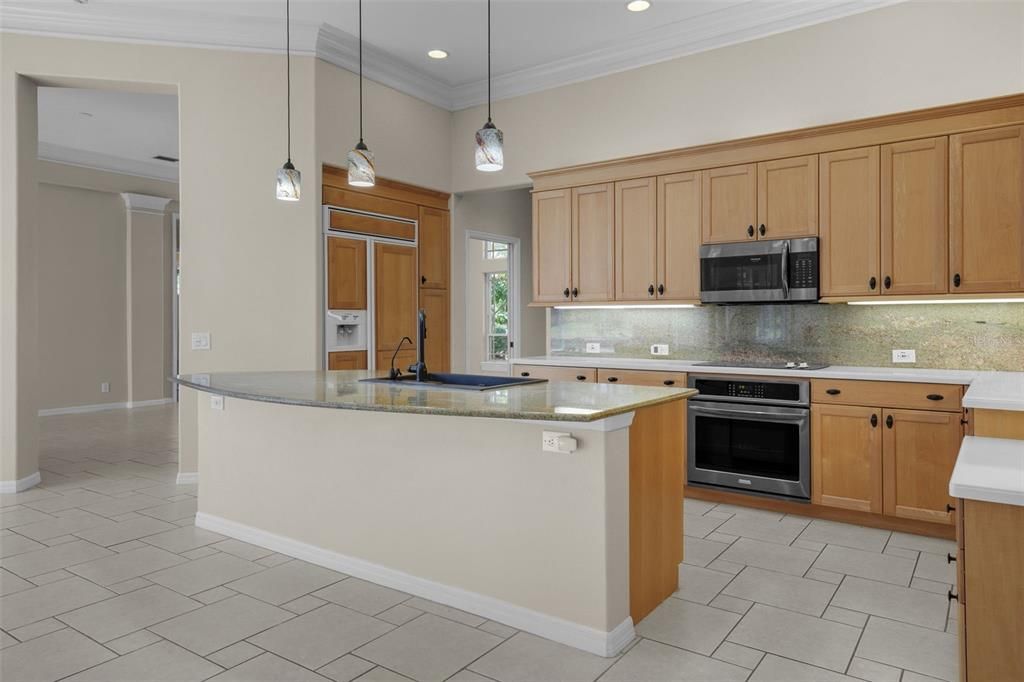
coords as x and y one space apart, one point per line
423 279
952 596
956 280
874 420
575 292
833 391
887 282
566 292
761 231
669 382
935 396
661 289
650 290
888 421
524 374
950 509
581 377
750 230
611 380
872 283
950 558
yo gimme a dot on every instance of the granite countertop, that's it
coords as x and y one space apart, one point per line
987 390
989 470
550 401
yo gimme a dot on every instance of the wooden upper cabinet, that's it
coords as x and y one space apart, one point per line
846 457
552 246
787 198
919 451
679 217
593 243
433 248
636 239
986 211
346 274
915 237
848 222
394 276
436 346
729 203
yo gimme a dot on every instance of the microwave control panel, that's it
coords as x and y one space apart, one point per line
803 273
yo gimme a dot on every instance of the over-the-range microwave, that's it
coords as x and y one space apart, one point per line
778 271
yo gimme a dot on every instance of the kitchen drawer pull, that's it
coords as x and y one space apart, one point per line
833 391
611 380
952 596
950 558
874 420
950 509
669 382
888 421
935 396
581 377
524 374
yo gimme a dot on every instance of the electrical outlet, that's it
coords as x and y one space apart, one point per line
593 347
105 387
554 441
217 402
659 349
904 356
200 340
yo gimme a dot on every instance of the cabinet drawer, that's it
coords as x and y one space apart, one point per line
641 377
555 373
943 397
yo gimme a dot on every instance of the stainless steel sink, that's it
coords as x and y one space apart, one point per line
465 382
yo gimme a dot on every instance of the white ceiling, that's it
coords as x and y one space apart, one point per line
537 44
118 131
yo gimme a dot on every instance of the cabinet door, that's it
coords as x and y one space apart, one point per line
787 198
641 377
636 239
403 360
679 237
846 457
437 352
915 239
919 450
394 276
729 203
848 221
552 246
346 274
432 242
986 211
593 243
348 359
572 374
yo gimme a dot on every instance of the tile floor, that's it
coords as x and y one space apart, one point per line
103 576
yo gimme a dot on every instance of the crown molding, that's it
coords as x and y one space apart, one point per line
144 203
152 170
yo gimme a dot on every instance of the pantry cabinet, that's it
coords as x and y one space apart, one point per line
846 457
679 216
787 198
729 204
986 211
636 239
915 237
848 220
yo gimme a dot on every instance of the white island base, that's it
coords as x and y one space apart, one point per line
465 511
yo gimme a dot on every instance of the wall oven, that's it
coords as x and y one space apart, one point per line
750 435
779 271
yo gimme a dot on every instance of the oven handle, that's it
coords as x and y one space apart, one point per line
785 269
796 413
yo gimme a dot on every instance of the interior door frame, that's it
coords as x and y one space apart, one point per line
175 300
513 287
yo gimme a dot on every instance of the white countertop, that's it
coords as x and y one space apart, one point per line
989 470
988 390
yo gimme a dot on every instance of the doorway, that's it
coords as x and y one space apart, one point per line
492 280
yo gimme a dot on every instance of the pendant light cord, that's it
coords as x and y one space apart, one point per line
360 70
488 60
288 68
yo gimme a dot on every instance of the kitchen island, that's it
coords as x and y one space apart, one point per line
448 493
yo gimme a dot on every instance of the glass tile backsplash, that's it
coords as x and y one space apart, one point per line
955 336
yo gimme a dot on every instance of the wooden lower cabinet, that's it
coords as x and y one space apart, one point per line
435 303
846 457
349 359
550 373
634 377
990 591
919 450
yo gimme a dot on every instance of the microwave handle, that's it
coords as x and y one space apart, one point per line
785 269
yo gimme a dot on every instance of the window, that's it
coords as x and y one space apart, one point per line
496 312
495 250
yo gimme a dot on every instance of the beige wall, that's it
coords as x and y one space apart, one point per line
149 262
907 56
70 175
507 213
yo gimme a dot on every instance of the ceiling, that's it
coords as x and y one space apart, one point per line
536 44
117 131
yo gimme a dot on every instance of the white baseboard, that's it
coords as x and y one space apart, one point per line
541 624
102 407
187 477
7 487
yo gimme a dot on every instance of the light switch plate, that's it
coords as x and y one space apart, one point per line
217 402
659 349
904 355
200 340
593 347
105 387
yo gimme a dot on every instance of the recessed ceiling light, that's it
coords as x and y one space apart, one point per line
638 5
437 54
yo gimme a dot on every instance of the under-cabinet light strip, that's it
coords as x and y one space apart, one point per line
624 307
939 301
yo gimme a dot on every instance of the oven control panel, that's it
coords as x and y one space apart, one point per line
776 392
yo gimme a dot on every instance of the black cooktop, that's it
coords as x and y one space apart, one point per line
763 365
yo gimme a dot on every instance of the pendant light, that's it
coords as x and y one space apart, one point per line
490 153
361 172
289 180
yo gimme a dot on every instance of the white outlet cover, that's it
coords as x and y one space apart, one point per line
549 440
105 387
200 340
593 347
904 355
217 402
659 349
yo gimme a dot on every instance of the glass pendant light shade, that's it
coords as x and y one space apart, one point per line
289 182
361 172
490 152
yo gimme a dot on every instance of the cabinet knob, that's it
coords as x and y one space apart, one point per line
669 382
874 420
950 509
833 391
575 292
581 377
761 231
566 292
423 279
750 230
950 558
611 380
872 283
524 374
952 596
956 279
650 290
887 282
888 421
661 289
935 396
